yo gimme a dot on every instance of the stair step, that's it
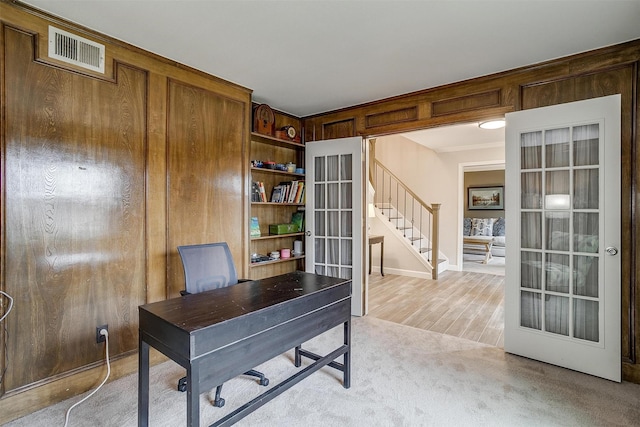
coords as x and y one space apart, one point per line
403 228
423 250
413 239
395 217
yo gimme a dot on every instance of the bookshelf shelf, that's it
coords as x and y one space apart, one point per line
277 236
266 139
276 261
277 172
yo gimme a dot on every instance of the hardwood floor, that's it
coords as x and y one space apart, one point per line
463 304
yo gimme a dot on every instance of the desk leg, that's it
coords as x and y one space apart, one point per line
193 395
382 258
143 383
298 357
347 356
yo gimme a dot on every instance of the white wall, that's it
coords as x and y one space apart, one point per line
435 178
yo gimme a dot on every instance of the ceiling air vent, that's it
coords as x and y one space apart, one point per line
76 50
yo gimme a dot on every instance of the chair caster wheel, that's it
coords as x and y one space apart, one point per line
264 382
218 403
182 385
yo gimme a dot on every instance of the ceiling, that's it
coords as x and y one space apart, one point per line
311 56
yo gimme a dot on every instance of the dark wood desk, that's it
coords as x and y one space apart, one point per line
372 241
219 334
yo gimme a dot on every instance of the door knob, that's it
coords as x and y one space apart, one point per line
611 251
308 233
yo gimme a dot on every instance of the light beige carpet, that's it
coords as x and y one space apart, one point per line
401 377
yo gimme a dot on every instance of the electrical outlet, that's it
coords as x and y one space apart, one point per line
101 338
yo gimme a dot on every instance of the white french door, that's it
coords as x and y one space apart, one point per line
562 287
334 206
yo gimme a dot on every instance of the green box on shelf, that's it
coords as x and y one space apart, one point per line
283 228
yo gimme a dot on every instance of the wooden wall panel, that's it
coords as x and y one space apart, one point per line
206 159
338 129
476 101
74 179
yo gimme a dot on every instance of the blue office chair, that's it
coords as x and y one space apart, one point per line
210 266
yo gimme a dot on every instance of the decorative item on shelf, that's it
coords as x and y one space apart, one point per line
255 227
256 163
269 165
297 247
291 167
300 171
288 132
275 255
259 258
283 228
281 167
264 120
285 253
256 196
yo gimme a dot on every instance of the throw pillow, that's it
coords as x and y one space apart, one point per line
466 229
482 227
498 227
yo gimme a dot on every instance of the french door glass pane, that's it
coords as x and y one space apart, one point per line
319 175
319 196
319 229
332 271
556 148
531 150
585 189
345 167
557 229
531 194
557 182
346 273
333 223
530 310
333 251
319 250
531 270
346 250
346 195
531 237
585 232
586 320
346 228
557 272
332 168
585 278
556 315
333 199
585 145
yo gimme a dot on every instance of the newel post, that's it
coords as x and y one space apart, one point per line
435 240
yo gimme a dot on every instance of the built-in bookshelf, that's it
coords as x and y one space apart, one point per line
276 195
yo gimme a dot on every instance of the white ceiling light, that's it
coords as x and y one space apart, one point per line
492 124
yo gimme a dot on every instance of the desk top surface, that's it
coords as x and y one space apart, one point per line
193 312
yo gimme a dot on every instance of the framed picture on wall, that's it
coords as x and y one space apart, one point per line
486 198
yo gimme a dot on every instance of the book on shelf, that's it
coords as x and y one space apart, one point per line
255 192
297 218
276 194
263 195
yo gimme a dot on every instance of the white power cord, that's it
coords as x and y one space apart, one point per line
10 305
106 340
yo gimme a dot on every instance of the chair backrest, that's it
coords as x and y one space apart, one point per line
207 266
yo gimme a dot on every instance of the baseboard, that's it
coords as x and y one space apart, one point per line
401 272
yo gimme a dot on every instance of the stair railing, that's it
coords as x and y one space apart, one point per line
417 219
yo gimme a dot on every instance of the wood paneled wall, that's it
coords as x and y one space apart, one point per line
598 73
102 177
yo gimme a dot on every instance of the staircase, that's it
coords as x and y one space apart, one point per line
413 221
411 237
